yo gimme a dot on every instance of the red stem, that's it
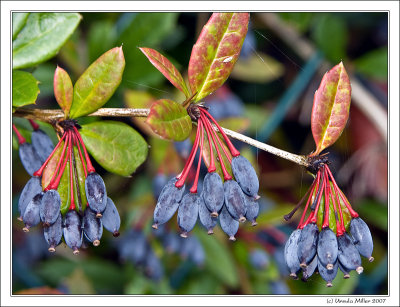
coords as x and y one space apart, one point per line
314 218
327 198
224 171
58 179
232 148
189 161
71 175
63 157
353 213
34 125
21 139
220 142
316 185
76 143
193 189
339 228
90 167
39 172
211 167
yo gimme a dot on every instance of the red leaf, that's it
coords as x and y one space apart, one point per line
167 69
331 107
216 52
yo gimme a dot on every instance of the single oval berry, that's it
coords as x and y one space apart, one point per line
50 207
362 238
235 201
213 193
92 227
310 269
205 217
31 215
307 244
327 248
29 158
32 188
245 175
290 253
348 254
42 144
167 203
253 209
73 231
111 219
228 224
96 193
187 213
328 275
53 234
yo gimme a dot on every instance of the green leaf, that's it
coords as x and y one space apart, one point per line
331 107
374 64
216 52
219 260
63 89
81 181
169 120
18 22
330 34
42 37
116 146
101 37
373 212
98 83
167 69
25 88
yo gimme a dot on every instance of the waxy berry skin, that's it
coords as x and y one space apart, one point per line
29 158
96 193
31 216
253 208
50 207
42 144
213 193
309 270
327 248
53 234
92 227
290 253
111 219
307 244
235 201
362 238
187 212
32 188
208 221
348 254
328 275
245 176
167 203
228 224
72 231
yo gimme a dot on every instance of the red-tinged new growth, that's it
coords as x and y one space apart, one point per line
324 185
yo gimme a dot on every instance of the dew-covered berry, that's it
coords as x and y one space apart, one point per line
213 193
245 176
96 193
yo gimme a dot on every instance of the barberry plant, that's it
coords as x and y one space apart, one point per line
332 234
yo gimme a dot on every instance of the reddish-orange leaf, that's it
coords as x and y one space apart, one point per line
216 52
167 69
331 107
63 90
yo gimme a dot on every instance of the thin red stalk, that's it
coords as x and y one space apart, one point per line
353 213
220 143
193 189
76 143
308 221
189 161
39 172
21 139
327 198
339 229
316 185
224 171
34 125
314 219
90 167
71 175
232 148
58 179
63 157
340 210
211 167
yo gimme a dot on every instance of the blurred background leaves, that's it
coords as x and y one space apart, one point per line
265 72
